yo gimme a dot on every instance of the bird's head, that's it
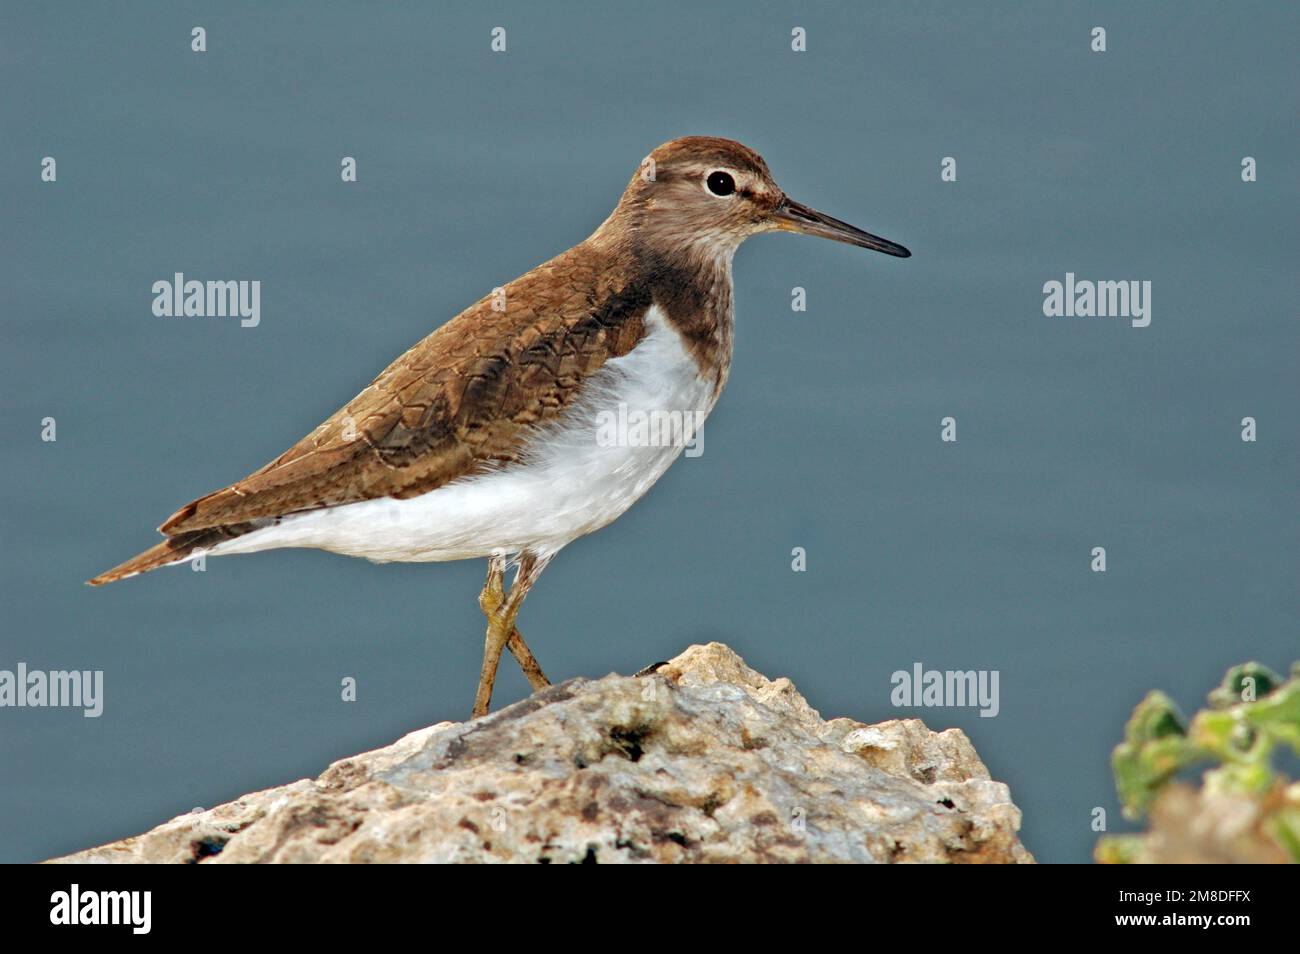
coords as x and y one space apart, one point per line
705 195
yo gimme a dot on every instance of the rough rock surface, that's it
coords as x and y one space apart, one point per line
704 760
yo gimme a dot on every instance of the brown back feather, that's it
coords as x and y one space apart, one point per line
464 397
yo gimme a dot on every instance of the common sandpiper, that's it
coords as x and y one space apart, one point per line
482 439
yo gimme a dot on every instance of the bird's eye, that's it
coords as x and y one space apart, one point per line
720 183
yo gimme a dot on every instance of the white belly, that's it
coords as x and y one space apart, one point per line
577 474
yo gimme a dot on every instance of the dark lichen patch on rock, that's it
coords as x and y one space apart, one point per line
629 741
208 847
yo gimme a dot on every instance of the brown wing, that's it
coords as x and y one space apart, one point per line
463 397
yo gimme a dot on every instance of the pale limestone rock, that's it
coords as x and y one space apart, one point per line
703 760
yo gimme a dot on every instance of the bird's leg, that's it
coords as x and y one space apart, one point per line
489 601
527 661
501 623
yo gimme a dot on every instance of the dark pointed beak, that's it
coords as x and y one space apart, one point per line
795 217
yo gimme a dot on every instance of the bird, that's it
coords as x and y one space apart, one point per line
481 440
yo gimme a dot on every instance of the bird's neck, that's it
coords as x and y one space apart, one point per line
687 272
695 293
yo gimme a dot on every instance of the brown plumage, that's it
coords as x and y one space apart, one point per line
461 399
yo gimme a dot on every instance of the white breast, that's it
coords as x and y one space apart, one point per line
577 474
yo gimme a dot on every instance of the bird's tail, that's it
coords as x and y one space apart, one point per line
172 550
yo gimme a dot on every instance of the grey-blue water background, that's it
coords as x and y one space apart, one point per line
473 168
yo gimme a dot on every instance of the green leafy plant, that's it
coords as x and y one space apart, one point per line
1252 715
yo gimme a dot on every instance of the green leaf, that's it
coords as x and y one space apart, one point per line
1119 849
1251 713
1155 747
1252 675
1284 826
1277 714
